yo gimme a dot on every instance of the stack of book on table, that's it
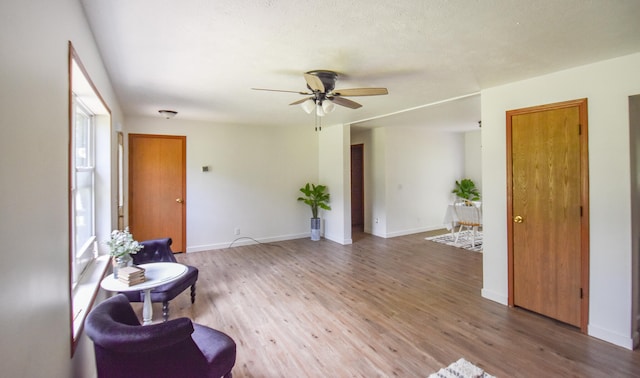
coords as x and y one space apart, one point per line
131 275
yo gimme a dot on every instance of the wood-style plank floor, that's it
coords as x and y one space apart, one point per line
398 307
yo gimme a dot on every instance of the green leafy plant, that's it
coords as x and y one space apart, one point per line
122 243
316 197
466 189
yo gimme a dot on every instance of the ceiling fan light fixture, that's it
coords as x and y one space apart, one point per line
308 106
324 97
328 106
168 114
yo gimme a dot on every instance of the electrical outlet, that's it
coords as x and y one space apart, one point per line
237 231
376 220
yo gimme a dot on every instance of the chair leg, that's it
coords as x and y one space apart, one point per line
165 310
193 293
473 239
458 234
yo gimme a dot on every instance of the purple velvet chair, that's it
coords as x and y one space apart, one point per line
176 348
159 250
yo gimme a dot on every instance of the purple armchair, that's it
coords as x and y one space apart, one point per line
176 348
159 250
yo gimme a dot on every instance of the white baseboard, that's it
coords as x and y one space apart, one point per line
496 297
409 231
244 240
611 337
338 240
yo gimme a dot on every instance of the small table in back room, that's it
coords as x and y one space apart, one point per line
451 218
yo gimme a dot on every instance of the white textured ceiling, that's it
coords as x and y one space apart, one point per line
202 57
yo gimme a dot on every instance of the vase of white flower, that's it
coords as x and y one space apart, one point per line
120 262
121 247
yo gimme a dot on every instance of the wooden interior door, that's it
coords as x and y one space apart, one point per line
157 188
548 211
357 186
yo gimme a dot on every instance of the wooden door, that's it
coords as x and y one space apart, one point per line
548 211
357 186
157 188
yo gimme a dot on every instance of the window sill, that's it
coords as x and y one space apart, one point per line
85 292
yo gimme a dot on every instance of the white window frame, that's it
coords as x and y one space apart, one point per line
83 254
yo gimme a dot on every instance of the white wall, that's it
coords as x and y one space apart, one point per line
473 157
607 86
409 175
335 168
252 184
35 316
375 190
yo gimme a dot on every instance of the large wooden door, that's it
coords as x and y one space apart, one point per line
157 166
548 211
357 186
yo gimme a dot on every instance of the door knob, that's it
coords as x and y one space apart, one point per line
179 200
518 219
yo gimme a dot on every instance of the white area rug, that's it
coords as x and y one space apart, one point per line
463 242
461 369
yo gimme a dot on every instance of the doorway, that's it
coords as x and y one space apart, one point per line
357 187
547 209
157 188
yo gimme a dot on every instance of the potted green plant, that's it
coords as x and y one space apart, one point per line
316 197
467 190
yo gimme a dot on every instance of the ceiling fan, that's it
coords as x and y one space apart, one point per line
323 95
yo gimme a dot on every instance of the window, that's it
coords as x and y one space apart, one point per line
90 195
83 247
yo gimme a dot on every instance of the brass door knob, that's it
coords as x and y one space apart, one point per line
518 219
179 200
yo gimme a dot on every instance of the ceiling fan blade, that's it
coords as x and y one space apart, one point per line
280 90
314 82
361 92
301 101
345 102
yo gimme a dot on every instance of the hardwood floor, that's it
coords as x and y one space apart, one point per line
400 307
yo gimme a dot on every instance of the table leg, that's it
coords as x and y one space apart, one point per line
147 308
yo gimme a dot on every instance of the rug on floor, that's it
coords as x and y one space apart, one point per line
464 241
461 369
